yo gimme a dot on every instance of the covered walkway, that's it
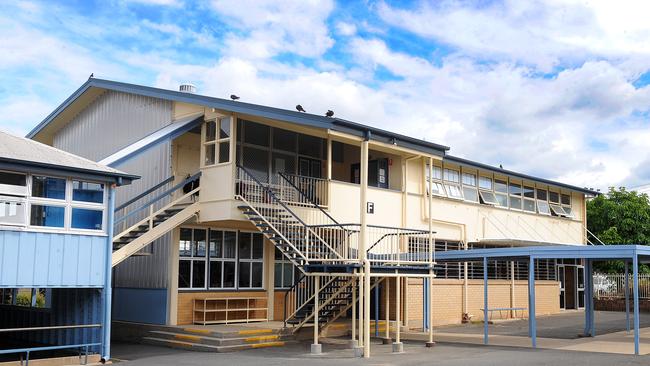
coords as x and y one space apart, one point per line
632 255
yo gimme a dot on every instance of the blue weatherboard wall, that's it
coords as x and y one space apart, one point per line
30 259
142 305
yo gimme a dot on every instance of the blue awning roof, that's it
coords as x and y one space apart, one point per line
596 252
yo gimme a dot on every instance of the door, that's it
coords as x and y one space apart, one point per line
570 287
310 168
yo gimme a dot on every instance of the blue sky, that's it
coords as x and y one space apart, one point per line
549 88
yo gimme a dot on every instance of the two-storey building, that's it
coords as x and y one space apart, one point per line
253 203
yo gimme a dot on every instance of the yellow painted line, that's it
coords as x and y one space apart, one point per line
187 337
338 326
262 338
255 331
269 344
195 330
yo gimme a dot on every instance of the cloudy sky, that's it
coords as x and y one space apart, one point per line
557 89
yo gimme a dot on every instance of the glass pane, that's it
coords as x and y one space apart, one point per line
469 179
500 186
198 274
184 274
13 179
515 189
285 140
216 244
542 207
471 194
283 163
542 195
529 205
489 198
87 192
277 275
228 274
581 277
561 299
185 243
245 245
529 192
256 134
209 154
215 274
451 176
309 145
224 152
437 188
554 197
244 274
485 183
224 128
566 199
47 187
210 131
288 275
502 200
229 244
437 172
199 243
258 246
49 216
581 299
258 274
86 219
256 161
278 254
515 202
453 191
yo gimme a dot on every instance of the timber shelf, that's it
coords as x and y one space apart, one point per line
229 310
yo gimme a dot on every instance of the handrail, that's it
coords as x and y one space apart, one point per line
145 193
286 294
159 197
309 199
270 192
53 327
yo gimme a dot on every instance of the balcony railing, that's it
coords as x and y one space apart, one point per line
303 191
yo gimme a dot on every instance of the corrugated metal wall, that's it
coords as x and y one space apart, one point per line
68 307
29 259
111 122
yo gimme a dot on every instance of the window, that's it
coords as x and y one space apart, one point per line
47 187
87 192
488 198
553 197
220 259
216 146
39 298
558 210
529 199
453 191
251 260
436 186
566 199
285 271
543 208
515 195
13 184
89 219
501 192
469 187
437 172
451 176
437 189
566 205
485 183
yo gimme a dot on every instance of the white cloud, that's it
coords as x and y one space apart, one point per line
174 3
346 29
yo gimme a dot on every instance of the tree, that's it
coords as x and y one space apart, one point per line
619 217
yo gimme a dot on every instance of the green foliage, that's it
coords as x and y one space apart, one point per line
619 217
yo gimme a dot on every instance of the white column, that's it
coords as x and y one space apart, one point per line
397 346
315 347
363 244
354 313
387 310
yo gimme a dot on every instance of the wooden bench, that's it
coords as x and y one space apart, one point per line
500 310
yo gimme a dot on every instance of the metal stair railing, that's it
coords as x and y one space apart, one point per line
301 294
283 221
305 191
152 213
344 309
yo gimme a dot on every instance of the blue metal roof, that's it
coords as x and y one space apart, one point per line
603 252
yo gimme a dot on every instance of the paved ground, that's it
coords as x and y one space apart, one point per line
565 326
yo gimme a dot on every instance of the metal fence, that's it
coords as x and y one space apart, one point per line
613 285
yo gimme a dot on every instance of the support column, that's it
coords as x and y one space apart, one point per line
387 339
627 297
588 295
353 341
513 302
377 309
485 300
531 302
398 346
316 348
635 292
360 311
107 291
430 343
429 283
363 245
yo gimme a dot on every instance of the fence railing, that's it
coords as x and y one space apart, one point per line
613 285
303 191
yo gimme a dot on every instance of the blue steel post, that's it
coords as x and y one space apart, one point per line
425 305
635 289
590 299
588 295
627 297
531 301
485 300
107 291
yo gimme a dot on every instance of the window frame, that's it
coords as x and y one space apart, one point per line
217 142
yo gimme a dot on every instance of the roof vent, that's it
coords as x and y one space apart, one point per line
187 88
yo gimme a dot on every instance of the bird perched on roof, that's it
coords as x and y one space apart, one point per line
329 113
92 75
233 97
500 166
299 108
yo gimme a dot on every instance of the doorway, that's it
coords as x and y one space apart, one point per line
572 286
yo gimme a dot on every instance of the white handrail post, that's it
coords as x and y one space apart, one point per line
316 348
398 346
